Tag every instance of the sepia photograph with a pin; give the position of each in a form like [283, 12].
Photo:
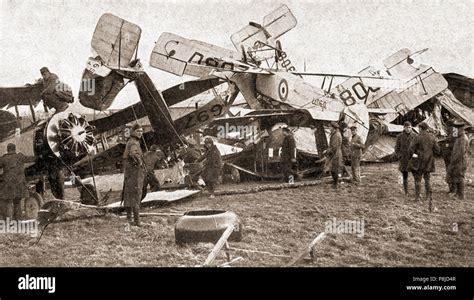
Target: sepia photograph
[326, 134]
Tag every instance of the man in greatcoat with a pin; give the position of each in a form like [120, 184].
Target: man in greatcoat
[446, 152]
[287, 154]
[212, 165]
[192, 165]
[345, 148]
[133, 169]
[13, 185]
[151, 159]
[356, 153]
[55, 94]
[402, 148]
[422, 161]
[458, 162]
[334, 153]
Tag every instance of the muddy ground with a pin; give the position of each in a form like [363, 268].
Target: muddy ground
[397, 231]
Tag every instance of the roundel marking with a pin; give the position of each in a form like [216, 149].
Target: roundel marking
[283, 90]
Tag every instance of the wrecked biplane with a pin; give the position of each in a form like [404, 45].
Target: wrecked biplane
[377, 100]
[64, 142]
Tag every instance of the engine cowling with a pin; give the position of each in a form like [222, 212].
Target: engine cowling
[69, 136]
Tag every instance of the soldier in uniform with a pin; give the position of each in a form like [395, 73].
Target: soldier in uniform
[151, 159]
[402, 146]
[422, 161]
[191, 163]
[133, 169]
[356, 148]
[287, 154]
[446, 152]
[13, 186]
[55, 94]
[346, 148]
[334, 153]
[458, 162]
[212, 165]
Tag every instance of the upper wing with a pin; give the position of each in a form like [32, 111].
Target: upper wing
[274, 25]
[115, 40]
[179, 56]
[171, 96]
[418, 84]
[24, 95]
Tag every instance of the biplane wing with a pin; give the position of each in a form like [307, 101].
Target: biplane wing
[292, 117]
[455, 107]
[216, 108]
[293, 91]
[417, 85]
[420, 84]
[178, 55]
[379, 151]
[274, 25]
[24, 95]
[115, 40]
[100, 162]
[462, 88]
[176, 94]
[156, 109]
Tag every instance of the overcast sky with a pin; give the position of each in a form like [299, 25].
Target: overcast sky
[341, 36]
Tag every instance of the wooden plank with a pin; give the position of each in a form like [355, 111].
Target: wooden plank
[307, 250]
[220, 243]
[227, 264]
[227, 253]
[164, 196]
[157, 214]
[258, 252]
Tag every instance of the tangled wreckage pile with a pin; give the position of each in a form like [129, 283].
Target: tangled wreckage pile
[247, 130]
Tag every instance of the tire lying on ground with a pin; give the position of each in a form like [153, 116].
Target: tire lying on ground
[206, 226]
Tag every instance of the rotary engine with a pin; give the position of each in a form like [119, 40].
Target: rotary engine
[66, 135]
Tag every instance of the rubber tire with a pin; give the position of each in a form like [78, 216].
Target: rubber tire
[206, 226]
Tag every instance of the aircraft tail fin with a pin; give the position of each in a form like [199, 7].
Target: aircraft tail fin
[115, 40]
[274, 25]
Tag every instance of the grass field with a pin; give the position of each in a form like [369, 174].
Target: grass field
[397, 231]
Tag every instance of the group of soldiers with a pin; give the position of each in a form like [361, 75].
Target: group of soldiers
[416, 154]
[138, 168]
[344, 149]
